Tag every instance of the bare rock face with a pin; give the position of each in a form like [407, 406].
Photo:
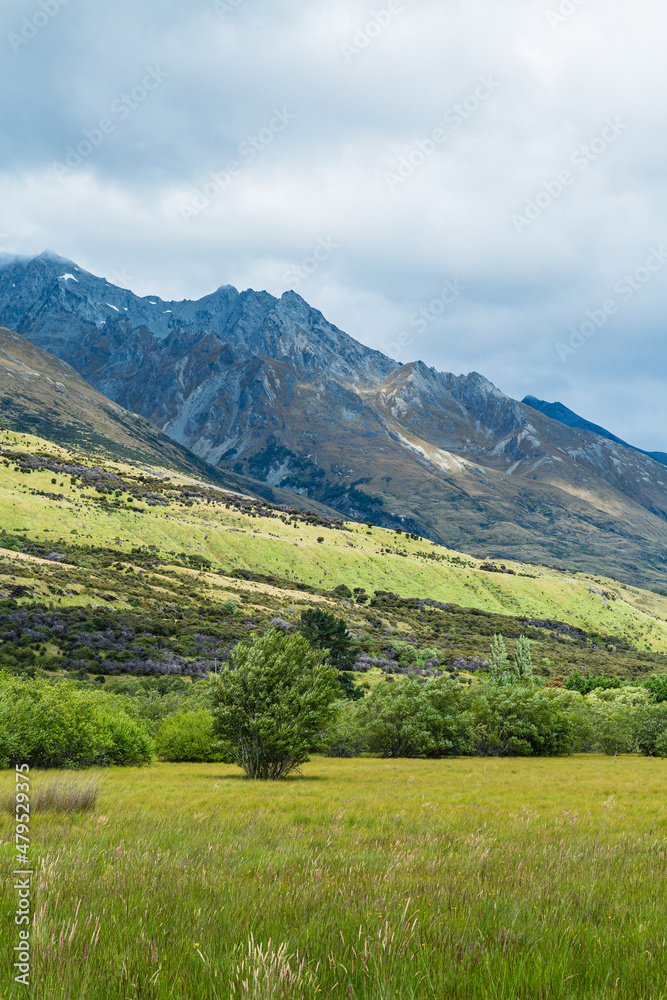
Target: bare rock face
[266, 388]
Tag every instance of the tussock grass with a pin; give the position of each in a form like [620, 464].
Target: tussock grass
[63, 793]
[476, 879]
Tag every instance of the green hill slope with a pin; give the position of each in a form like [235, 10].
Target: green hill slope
[116, 540]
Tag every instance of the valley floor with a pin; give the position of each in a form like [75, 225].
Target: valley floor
[509, 879]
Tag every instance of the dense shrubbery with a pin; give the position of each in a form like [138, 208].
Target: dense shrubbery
[650, 730]
[275, 703]
[187, 736]
[658, 687]
[584, 685]
[438, 718]
[519, 721]
[412, 719]
[58, 725]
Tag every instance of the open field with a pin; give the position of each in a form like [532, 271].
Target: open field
[479, 878]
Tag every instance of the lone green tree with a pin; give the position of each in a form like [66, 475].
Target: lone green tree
[499, 660]
[270, 704]
[326, 632]
[523, 661]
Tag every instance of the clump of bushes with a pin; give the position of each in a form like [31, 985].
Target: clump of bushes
[650, 730]
[584, 685]
[46, 724]
[187, 736]
[507, 716]
[442, 718]
[519, 720]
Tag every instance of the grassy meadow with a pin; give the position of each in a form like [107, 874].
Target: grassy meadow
[483, 879]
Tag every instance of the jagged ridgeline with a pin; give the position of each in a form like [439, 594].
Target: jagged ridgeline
[110, 568]
[42, 395]
[267, 389]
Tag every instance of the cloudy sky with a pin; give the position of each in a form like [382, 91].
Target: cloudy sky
[477, 183]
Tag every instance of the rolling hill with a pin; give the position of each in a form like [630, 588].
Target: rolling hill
[109, 566]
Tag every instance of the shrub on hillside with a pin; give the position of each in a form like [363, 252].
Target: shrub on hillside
[326, 632]
[187, 736]
[658, 687]
[405, 652]
[58, 725]
[584, 685]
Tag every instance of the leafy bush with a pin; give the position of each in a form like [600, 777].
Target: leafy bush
[579, 713]
[629, 695]
[584, 685]
[58, 725]
[271, 704]
[613, 719]
[347, 688]
[345, 736]
[520, 720]
[187, 736]
[405, 651]
[658, 687]
[650, 730]
[413, 719]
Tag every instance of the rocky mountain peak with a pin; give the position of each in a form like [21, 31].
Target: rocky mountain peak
[267, 388]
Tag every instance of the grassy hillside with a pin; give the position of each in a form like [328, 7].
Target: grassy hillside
[105, 544]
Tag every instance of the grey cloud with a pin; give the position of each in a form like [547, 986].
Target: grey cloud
[356, 120]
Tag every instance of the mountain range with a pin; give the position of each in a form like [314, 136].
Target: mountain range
[557, 411]
[43, 396]
[266, 389]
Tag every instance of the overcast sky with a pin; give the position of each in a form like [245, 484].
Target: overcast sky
[480, 184]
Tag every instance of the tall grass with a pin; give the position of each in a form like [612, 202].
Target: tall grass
[362, 880]
[62, 793]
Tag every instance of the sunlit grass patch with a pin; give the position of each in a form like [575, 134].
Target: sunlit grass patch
[472, 879]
